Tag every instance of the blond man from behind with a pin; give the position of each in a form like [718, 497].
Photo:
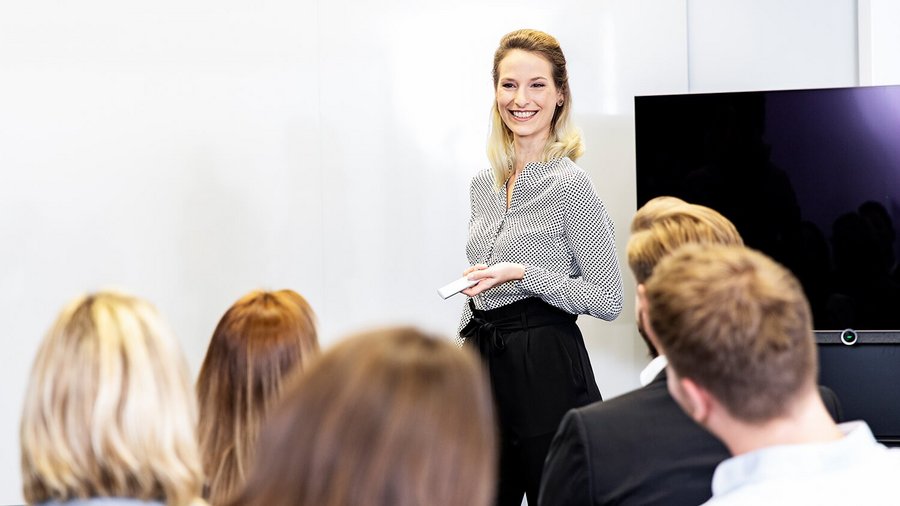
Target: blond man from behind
[737, 332]
[640, 448]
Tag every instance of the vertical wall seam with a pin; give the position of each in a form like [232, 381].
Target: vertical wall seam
[687, 42]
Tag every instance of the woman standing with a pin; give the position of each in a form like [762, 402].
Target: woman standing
[542, 248]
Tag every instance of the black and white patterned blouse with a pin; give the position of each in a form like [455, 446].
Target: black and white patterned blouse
[557, 227]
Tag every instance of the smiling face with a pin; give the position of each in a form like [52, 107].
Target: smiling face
[527, 97]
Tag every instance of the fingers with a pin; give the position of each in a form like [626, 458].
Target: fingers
[481, 274]
[482, 285]
[476, 267]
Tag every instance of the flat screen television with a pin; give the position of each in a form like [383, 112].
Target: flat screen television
[864, 377]
[811, 178]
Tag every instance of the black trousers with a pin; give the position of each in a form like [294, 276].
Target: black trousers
[539, 369]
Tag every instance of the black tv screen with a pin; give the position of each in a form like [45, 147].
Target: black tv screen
[865, 377]
[809, 177]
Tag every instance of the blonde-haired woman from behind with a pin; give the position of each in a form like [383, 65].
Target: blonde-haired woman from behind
[110, 416]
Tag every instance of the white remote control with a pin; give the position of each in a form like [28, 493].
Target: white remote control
[455, 287]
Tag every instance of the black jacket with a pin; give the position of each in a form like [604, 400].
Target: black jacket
[639, 449]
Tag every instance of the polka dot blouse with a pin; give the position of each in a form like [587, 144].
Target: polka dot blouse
[556, 226]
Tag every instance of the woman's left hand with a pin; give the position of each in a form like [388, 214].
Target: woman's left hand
[494, 275]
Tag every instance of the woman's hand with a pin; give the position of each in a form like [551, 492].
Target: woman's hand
[492, 276]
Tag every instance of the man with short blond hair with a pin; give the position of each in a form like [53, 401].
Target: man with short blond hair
[640, 448]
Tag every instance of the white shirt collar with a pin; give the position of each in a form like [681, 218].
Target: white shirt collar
[778, 462]
[653, 369]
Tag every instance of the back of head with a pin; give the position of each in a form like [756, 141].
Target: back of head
[263, 339]
[648, 213]
[736, 323]
[109, 411]
[565, 139]
[664, 224]
[390, 417]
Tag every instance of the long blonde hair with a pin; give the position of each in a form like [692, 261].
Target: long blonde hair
[565, 139]
[389, 418]
[109, 410]
[263, 338]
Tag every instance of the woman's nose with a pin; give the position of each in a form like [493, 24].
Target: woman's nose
[521, 97]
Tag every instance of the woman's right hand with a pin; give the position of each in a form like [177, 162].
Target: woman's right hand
[472, 289]
[476, 267]
[489, 277]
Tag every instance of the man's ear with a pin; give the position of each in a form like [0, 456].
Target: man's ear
[641, 297]
[643, 318]
[695, 400]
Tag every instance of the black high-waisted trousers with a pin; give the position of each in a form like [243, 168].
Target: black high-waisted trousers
[539, 369]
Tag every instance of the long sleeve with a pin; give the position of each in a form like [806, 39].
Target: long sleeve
[565, 480]
[558, 228]
[591, 239]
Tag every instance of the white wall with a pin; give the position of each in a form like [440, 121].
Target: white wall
[879, 42]
[771, 44]
[190, 152]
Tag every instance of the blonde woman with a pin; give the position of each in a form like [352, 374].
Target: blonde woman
[260, 341]
[542, 249]
[109, 414]
[391, 417]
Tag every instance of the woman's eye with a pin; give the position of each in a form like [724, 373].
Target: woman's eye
[539, 85]
[508, 86]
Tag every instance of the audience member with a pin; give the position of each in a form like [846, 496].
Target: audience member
[391, 418]
[260, 341]
[109, 414]
[640, 448]
[736, 329]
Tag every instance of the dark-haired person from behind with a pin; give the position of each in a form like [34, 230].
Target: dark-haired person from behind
[391, 417]
[262, 340]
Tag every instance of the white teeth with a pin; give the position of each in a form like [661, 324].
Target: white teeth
[523, 114]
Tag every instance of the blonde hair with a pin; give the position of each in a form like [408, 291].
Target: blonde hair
[565, 139]
[389, 418]
[664, 224]
[738, 324]
[650, 211]
[109, 411]
[263, 339]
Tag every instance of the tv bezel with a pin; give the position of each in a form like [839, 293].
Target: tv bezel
[863, 338]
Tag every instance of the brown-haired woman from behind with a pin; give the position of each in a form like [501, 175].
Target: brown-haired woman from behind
[109, 414]
[391, 417]
[261, 340]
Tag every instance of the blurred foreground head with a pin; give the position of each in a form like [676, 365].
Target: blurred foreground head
[391, 417]
[109, 410]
